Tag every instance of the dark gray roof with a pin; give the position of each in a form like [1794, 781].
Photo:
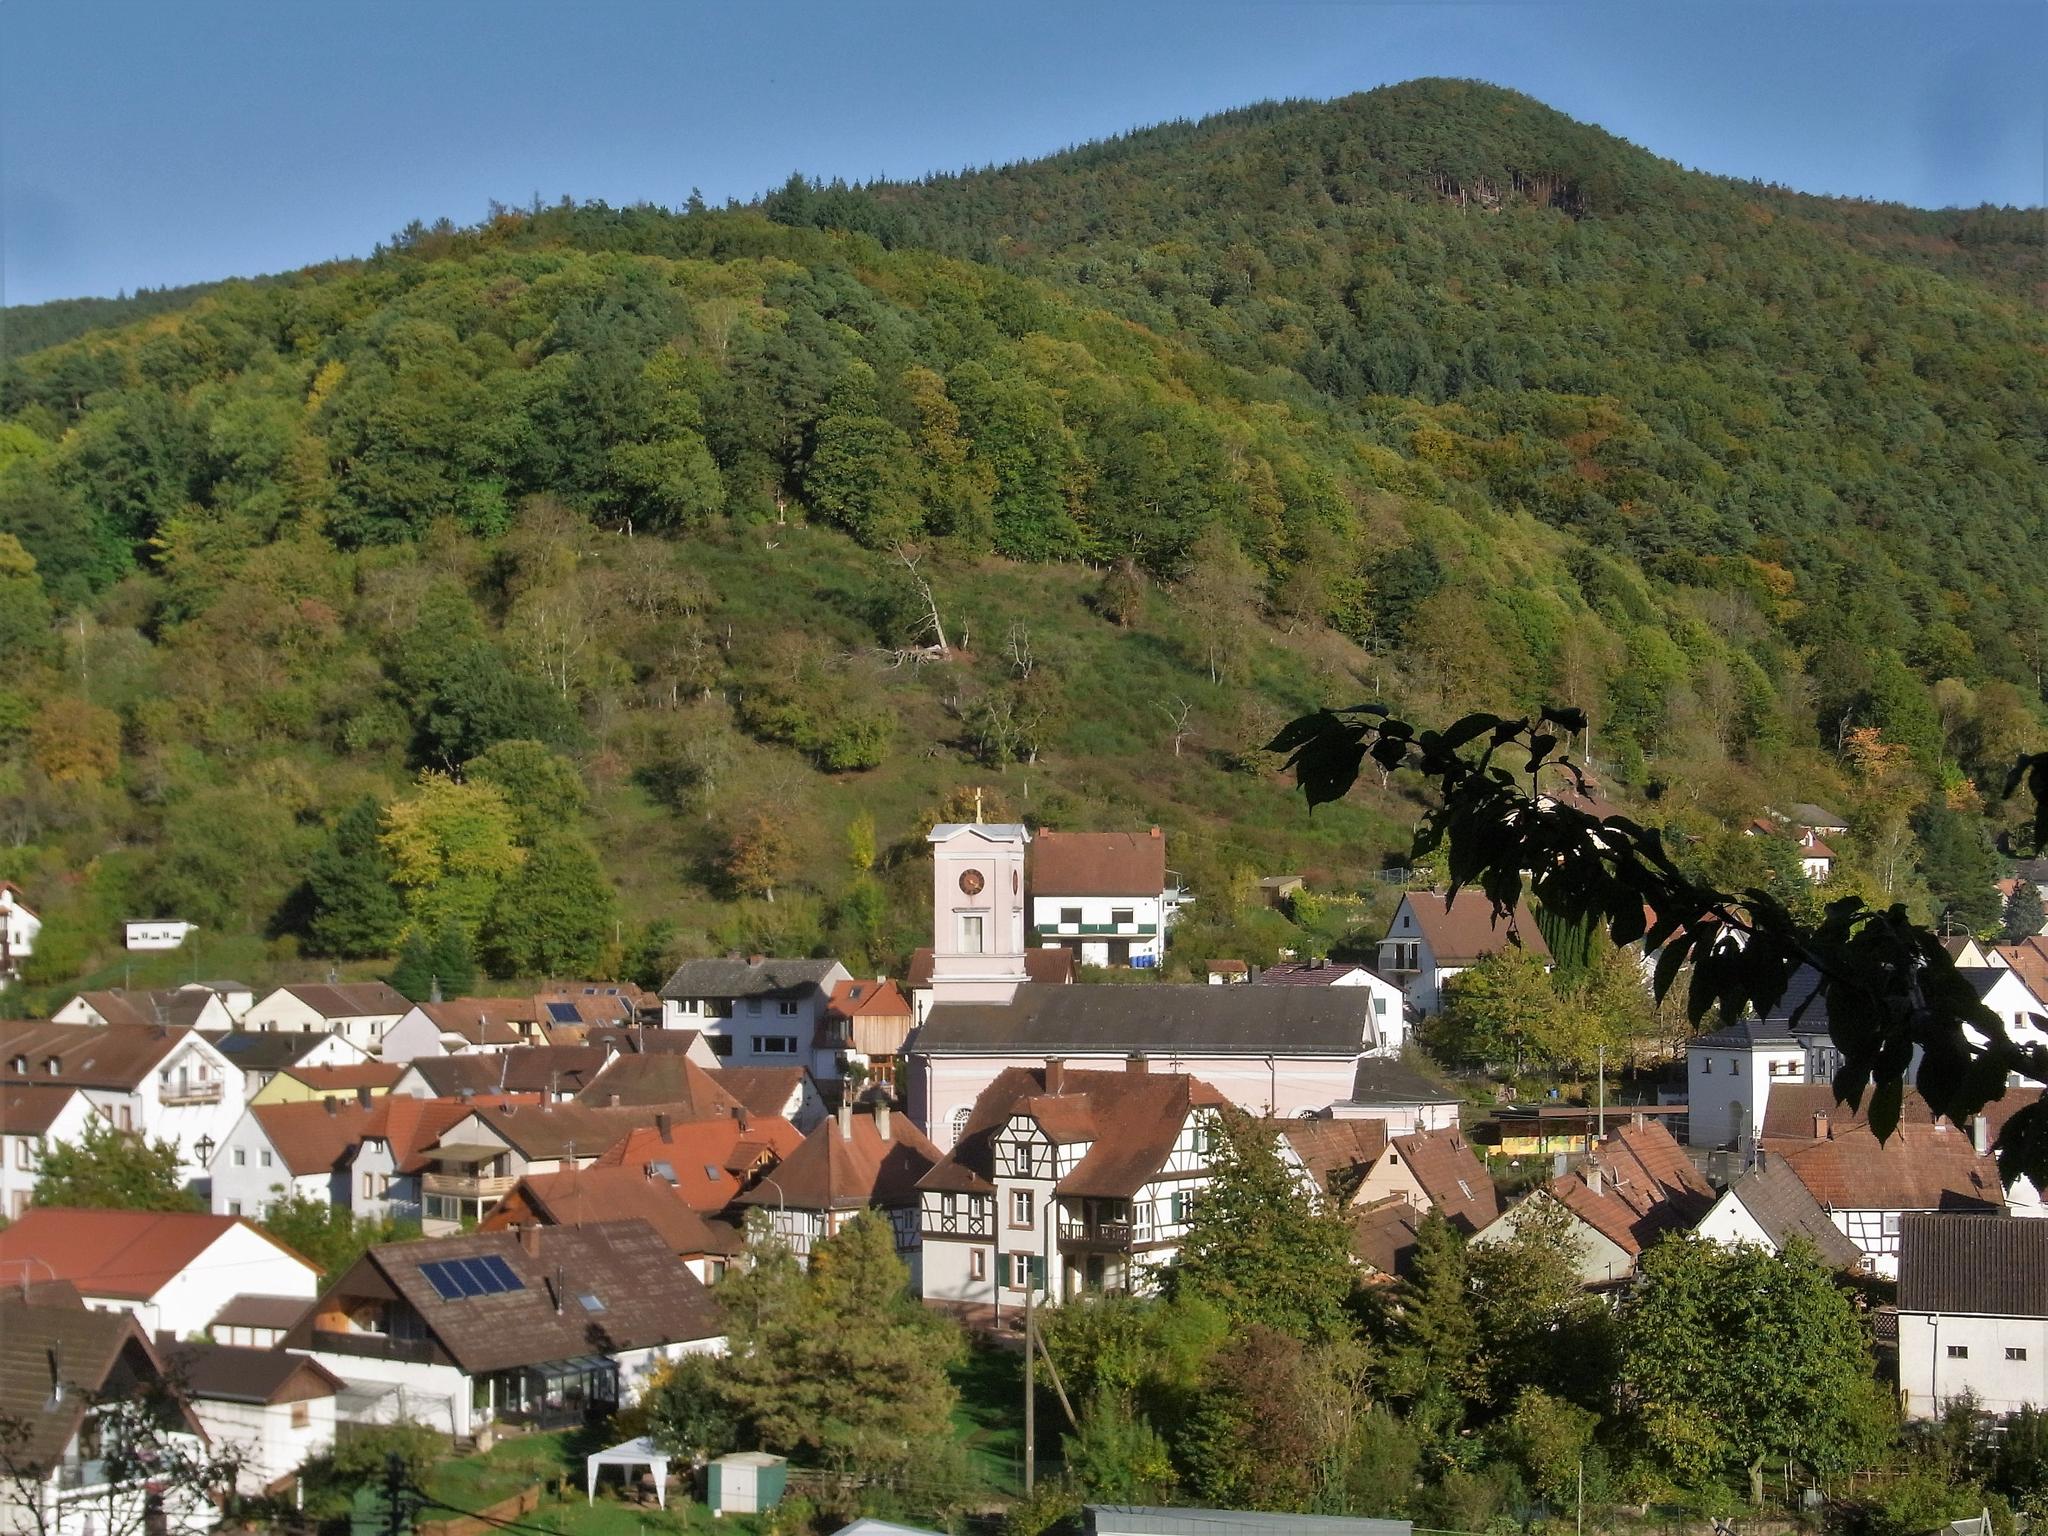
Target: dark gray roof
[258, 1051]
[747, 978]
[1776, 1027]
[1982, 978]
[1782, 1205]
[1994, 1266]
[1381, 1080]
[1159, 1019]
[1806, 813]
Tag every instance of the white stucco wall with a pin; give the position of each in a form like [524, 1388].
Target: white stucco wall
[1929, 1375]
[270, 1444]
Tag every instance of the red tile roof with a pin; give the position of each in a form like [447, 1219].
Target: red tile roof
[1329, 1149]
[127, 1254]
[1647, 1187]
[710, 1159]
[1465, 929]
[1098, 863]
[614, 1193]
[350, 1000]
[1920, 1168]
[839, 1171]
[312, 1137]
[30, 1109]
[2029, 961]
[348, 1078]
[411, 1126]
[1453, 1177]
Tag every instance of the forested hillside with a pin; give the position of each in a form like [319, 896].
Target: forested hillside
[595, 584]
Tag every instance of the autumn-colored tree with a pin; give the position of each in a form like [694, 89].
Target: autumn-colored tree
[451, 845]
[74, 741]
[759, 854]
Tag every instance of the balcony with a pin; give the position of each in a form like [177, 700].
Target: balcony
[174, 1096]
[373, 1346]
[72, 1476]
[1106, 1236]
[1096, 930]
[468, 1186]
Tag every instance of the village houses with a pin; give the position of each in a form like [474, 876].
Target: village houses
[360, 1012]
[1973, 1313]
[1432, 938]
[757, 1011]
[1101, 896]
[19, 925]
[33, 1118]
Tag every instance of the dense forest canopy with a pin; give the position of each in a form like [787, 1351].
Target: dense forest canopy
[609, 539]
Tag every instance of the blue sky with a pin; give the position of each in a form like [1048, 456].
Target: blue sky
[146, 142]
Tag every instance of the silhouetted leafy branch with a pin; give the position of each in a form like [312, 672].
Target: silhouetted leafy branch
[1890, 993]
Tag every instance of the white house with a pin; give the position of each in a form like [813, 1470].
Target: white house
[1101, 896]
[1973, 1313]
[261, 1057]
[19, 926]
[156, 932]
[272, 1409]
[1065, 1182]
[858, 1160]
[278, 1151]
[33, 1117]
[168, 1008]
[163, 1084]
[76, 1358]
[543, 1326]
[1869, 1188]
[1769, 1207]
[1729, 1074]
[756, 1012]
[464, 1026]
[360, 1012]
[1389, 1002]
[2005, 991]
[172, 1269]
[1430, 940]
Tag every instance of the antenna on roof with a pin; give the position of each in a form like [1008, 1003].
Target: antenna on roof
[434, 990]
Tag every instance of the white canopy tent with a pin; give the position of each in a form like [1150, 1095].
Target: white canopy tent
[633, 1453]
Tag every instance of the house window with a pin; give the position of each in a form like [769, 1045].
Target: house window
[1070, 917]
[21, 1153]
[369, 1186]
[1891, 1223]
[1707, 1066]
[53, 1065]
[2014, 1353]
[265, 1158]
[1020, 1268]
[241, 1157]
[302, 1415]
[971, 941]
[960, 1118]
[1123, 917]
[786, 1008]
[721, 1045]
[1183, 1204]
[1020, 1207]
[977, 1264]
[1959, 1351]
[753, 1005]
[234, 1207]
[1021, 1152]
[775, 1045]
[127, 1118]
[19, 1064]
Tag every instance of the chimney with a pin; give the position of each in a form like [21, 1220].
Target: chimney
[559, 1286]
[882, 1121]
[756, 959]
[1135, 1062]
[661, 1125]
[363, 1096]
[1055, 1075]
[329, 1102]
[615, 1101]
[529, 1240]
[1593, 1178]
[846, 1122]
[554, 1085]
[1821, 1129]
[1980, 1135]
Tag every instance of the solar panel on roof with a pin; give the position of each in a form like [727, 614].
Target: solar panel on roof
[562, 1013]
[501, 1274]
[459, 1279]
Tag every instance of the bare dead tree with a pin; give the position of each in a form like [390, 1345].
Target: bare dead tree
[1177, 712]
[1021, 658]
[930, 624]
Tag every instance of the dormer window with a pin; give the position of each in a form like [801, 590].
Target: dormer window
[53, 1065]
[19, 1064]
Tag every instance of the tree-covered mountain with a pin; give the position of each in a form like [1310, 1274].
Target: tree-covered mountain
[616, 543]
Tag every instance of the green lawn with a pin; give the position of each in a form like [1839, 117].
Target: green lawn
[469, 1483]
[989, 1420]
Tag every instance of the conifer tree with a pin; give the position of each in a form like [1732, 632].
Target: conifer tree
[355, 907]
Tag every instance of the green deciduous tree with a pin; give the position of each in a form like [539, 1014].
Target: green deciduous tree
[1734, 1355]
[355, 907]
[541, 786]
[1501, 1010]
[451, 845]
[556, 918]
[107, 1169]
[329, 1234]
[1257, 1247]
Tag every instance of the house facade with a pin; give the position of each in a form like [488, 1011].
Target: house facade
[19, 925]
[278, 1152]
[1870, 1187]
[865, 1159]
[1278, 1051]
[1065, 1182]
[171, 1269]
[163, 1084]
[33, 1118]
[156, 933]
[261, 1057]
[1973, 1313]
[1729, 1075]
[71, 1358]
[1431, 939]
[273, 1409]
[1389, 1002]
[1101, 896]
[755, 1012]
[360, 1012]
[553, 1327]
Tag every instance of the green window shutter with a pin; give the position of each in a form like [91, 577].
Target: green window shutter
[1037, 1272]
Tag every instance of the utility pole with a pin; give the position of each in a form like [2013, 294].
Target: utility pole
[1030, 1383]
[1582, 1496]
